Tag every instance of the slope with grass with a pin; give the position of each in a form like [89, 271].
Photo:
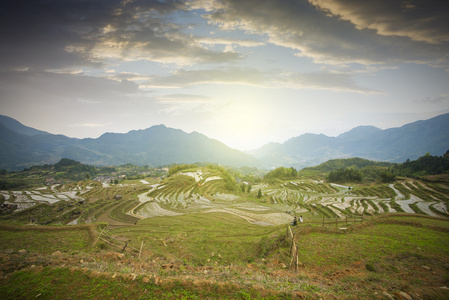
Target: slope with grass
[221, 256]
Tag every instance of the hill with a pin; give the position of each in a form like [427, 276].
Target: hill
[21, 147]
[392, 145]
[18, 127]
[354, 162]
[198, 232]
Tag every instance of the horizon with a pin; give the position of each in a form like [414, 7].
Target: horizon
[245, 73]
[243, 150]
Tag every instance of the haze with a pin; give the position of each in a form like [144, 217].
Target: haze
[243, 72]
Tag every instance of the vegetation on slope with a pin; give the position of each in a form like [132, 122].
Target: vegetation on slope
[425, 165]
[348, 245]
[219, 256]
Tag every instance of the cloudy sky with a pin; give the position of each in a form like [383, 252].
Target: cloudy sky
[245, 72]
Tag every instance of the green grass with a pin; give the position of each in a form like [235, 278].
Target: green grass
[384, 253]
[45, 239]
[60, 283]
[389, 248]
[119, 212]
[200, 237]
[374, 240]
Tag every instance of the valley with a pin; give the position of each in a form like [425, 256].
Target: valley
[203, 190]
[205, 231]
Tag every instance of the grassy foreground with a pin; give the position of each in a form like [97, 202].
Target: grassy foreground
[220, 256]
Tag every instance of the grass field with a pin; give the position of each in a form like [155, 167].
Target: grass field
[199, 234]
[223, 256]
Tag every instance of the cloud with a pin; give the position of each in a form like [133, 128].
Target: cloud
[264, 79]
[419, 20]
[229, 41]
[325, 81]
[440, 99]
[323, 36]
[190, 104]
[183, 98]
[185, 78]
[50, 88]
[55, 34]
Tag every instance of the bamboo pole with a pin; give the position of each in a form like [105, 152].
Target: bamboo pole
[291, 233]
[99, 236]
[141, 246]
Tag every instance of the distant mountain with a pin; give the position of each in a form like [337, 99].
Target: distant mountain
[21, 146]
[18, 127]
[392, 145]
[159, 145]
[359, 133]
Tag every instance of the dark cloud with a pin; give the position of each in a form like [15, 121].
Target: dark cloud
[419, 20]
[327, 37]
[55, 34]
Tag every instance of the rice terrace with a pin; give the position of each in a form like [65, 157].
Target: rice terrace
[208, 232]
[224, 149]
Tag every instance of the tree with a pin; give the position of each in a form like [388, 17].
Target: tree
[248, 189]
[259, 194]
[281, 173]
[387, 177]
[345, 175]
[446, 155]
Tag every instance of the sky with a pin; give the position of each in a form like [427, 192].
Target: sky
[244, 72]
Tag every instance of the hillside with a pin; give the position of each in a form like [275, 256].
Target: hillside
[375, 259]
[21, 147]
[202, 233]
[354, 162]
[392, 145]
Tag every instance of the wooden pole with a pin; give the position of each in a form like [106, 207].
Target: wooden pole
[124, 247]
[141, 246]
[101, 233]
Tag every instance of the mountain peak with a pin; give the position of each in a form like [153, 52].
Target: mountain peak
[360, 132]
[18, 127]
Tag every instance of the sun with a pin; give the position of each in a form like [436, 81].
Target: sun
[242, 125]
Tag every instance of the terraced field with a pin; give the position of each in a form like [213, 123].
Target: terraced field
[208, 190]
[203, 191]
[77, 203]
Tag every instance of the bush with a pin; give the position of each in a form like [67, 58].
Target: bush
[344, 175]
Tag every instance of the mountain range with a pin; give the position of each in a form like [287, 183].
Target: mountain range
[22, 146]
[391, 145]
